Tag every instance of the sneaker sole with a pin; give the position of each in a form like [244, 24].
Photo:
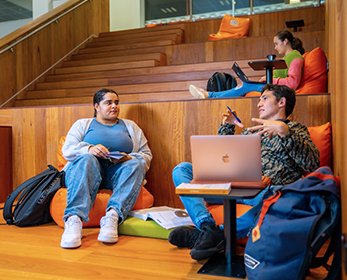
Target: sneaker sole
[107, 239]
[206, 253]
[70, 245]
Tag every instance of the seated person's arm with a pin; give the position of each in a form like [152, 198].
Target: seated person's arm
[301, 148]
[228, 124]
[74, 145]
[294, 75]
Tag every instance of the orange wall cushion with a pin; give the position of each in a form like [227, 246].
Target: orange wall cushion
[231, 27]
[314, 78]
[58, 205]
[321, 137]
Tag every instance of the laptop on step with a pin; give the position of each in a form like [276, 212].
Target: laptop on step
[243, 77]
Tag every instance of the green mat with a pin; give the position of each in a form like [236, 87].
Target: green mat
[138, 227]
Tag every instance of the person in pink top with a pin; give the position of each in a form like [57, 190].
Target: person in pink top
[285, 44]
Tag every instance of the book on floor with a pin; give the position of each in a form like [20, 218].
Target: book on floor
[167, 217]
[187, 188]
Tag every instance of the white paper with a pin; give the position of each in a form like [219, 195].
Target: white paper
[166, 217]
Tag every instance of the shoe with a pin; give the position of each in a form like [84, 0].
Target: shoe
[198, 92]
[210, 242]
[109, 227]
[72, 235]
[184, 237]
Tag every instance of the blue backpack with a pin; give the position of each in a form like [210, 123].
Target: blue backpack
[292, 227]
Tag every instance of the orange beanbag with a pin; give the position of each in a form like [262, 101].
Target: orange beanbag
[58, 205]
[314, 78]
[231, 27]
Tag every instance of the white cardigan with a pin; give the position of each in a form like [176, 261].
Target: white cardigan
[74, 145]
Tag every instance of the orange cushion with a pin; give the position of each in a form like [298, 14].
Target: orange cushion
[321, 137]
[314, 78]
[58, 205]
[231, 27]
[252, 93]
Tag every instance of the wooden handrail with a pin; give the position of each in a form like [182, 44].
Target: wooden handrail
[37, 24]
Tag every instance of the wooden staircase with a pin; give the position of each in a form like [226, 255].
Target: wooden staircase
[133, 63]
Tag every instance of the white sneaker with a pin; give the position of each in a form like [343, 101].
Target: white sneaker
[198, 92]
[109, 227]
[72, 235]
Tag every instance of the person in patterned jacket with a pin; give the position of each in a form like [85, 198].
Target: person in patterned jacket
[287, 152]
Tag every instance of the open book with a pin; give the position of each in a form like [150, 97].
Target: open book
[117, 155]
[166, 217]
[186, 188]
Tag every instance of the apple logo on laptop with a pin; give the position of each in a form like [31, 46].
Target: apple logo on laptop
[225, 158]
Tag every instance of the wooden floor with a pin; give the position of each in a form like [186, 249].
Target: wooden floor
[35, 253]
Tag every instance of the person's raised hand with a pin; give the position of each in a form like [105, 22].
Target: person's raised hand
[230, 118]
[270, 127]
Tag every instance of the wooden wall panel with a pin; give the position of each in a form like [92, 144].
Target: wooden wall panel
[167, 126]
[36, 54]
[261, 24]
[336, 12]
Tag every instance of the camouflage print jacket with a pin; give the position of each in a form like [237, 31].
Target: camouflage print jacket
[284, 160]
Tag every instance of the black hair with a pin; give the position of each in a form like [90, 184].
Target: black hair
[294, 42]
[99, 96]
[280, 91]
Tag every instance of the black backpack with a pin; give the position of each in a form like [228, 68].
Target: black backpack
[35, 195]
[221, 81]
[293, 226]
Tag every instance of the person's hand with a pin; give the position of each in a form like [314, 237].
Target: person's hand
[99, 151]
[122, 159]
[270, 127]
[229, 118]
[262, 79]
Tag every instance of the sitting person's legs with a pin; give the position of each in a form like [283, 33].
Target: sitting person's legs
[82, 179]
[207, 239]
[125, 180]
[234, 92]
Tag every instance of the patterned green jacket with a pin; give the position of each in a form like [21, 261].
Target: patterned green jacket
[284, 160]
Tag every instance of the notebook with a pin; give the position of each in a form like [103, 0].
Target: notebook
[227, 158]
[243, 77]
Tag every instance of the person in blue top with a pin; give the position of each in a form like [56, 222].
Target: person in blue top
[285, 44]
[87, 148]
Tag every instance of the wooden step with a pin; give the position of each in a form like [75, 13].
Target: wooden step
[125, 98]
[129, 46]
[109, 66]
[97, 53]
[141, 35]
[143, 30]
[129, 58]
[152, 39]
[120, 89]
[224, 66]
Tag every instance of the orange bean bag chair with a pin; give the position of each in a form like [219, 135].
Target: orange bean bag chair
[58, 203]
[230, 28]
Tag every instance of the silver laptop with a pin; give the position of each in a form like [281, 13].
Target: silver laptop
[227, 158]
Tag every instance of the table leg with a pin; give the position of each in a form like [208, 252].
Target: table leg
[269, 75]
[227, 263]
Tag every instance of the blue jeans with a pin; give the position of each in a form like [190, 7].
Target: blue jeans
[236, 92]
[87, 174]
[196, 208]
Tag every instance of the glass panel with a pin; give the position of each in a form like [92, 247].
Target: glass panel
[161, 11]
[10, 11]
